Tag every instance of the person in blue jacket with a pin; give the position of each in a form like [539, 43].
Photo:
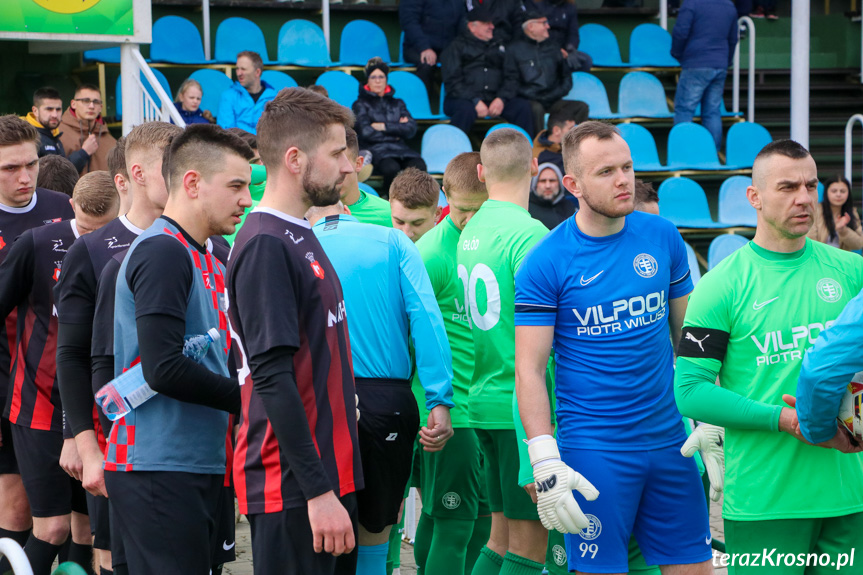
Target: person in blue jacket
[243, 103]
[188, 103]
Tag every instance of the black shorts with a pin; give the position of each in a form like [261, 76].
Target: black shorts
[51, 492]
[8, 462]
[225, 548]
[389, 422]
[165, 520]
[100, 525]
[282, 543]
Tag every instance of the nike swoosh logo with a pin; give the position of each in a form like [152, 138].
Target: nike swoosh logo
[227, 547]
[584, 282]
[708, 540]
[757, 306]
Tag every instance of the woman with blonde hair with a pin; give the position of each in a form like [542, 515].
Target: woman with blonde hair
[188, 103]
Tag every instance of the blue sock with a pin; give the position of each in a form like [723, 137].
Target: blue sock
[372, 559]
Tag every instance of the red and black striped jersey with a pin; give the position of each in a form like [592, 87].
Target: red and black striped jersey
[284, 293]
[45, 207]
[27, 278]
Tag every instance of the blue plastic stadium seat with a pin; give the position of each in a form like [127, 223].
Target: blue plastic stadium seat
[368, 189]
[278, 80]
[723, 246]
[691, 147]
[159, 76]
[820, 191]
[734, 207]
[411, 89]
[645, 158]
[650, 45]
[361, 41]
[590, 90]
[213, 83]
[105, 55]
[601, 44]
[642, 95]
[743, 142]
[441, 143]
[512, 126]
[236, 35]
[694, 267]
[683, 202]
[177, 41]
[342, 87]
[302, 43]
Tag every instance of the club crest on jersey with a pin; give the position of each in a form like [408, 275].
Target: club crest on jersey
[56, 276]
[316, 267]
[829, 290]
[645, 265]
[2, 243]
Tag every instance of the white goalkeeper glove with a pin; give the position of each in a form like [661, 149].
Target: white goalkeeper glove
[555, 481]
[709, 440]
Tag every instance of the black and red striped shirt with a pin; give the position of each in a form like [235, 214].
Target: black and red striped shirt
[282, 293]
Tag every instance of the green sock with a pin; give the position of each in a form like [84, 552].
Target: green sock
[394, 558]
[449, 546]
[488, 563]
[481, 532]
[516, 565]
[423, 541]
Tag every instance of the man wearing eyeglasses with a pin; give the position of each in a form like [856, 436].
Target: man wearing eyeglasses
[84, 129]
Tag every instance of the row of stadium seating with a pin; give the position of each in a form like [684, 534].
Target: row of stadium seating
[177, 40]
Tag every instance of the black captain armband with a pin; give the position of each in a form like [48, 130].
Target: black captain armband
[702, 343]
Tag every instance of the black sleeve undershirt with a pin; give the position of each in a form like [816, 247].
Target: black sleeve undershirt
[16, 274]
[73, 375]
[103, 372]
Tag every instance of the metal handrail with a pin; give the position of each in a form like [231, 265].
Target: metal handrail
[10, 549]
[167, 108]
[849, 129]
[750, 88]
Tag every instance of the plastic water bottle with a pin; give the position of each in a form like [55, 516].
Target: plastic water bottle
[129, 390]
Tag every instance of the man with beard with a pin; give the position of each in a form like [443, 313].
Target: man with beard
[85, 135]
[45, 117]
[547, 201]
[604, 287]
[297, 460]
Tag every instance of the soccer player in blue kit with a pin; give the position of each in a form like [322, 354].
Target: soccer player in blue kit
[603, 288]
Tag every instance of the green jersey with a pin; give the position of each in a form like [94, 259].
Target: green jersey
[491, 248]
[372, 210]
[438, 250]
[750, 320]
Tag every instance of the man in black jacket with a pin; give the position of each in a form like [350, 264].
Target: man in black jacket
[473, 72]
[45, 117]
[429, 27]
[507, 16]
[543, 73]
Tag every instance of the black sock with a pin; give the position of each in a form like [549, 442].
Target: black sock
[103, 571]
[63, 554]
[82, 555]
[19, 537]
[41, 555]
[121, 569]
[217, 570]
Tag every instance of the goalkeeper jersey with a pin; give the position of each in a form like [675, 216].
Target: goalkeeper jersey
[491, 248]
[750, 320]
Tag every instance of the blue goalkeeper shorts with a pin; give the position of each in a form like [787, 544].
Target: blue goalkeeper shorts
[657, 496]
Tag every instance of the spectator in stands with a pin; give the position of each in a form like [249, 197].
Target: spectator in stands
[85, 137]
[429, 27]
[45, 117]
[251, 139]
[703, 40]
[765, 9]
[546, 145]
[507, 15]
[563, 30]
[547, 194]
[384, 123]
[646, 198]
[188, 103]
[58, 174]
[243, 103]
[836, 221]
[543, 74]
[472, 67]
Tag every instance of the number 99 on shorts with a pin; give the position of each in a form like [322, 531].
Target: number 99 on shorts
[586, 548]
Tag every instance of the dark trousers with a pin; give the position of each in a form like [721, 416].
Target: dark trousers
[462, 113]
[430, 75]
[390, 167]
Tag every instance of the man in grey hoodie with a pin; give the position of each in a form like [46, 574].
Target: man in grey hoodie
[548, 203]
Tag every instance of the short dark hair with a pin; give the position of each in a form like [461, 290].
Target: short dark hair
[248, 137]
[414, 188]
[300, 118]
[559, 117]
[572, 141]
[117, 159]
[460, 175]
[200, 147]
[91, 87]
[14, 130]
[787, 148]
[352, 142]
[254, 57]
[95, 194]
[644, 193]
[45, 93]
[57, 173]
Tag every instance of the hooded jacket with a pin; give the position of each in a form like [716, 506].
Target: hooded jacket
[473, 70]
[76, 131]
[50, 144]
[542, 72]
[237, 109]
[370, 108]
[550, 212]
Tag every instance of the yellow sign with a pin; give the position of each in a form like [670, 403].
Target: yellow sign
[67, 6]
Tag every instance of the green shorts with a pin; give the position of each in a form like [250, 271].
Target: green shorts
[500, 449]
[786, 546]
[450, 480]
